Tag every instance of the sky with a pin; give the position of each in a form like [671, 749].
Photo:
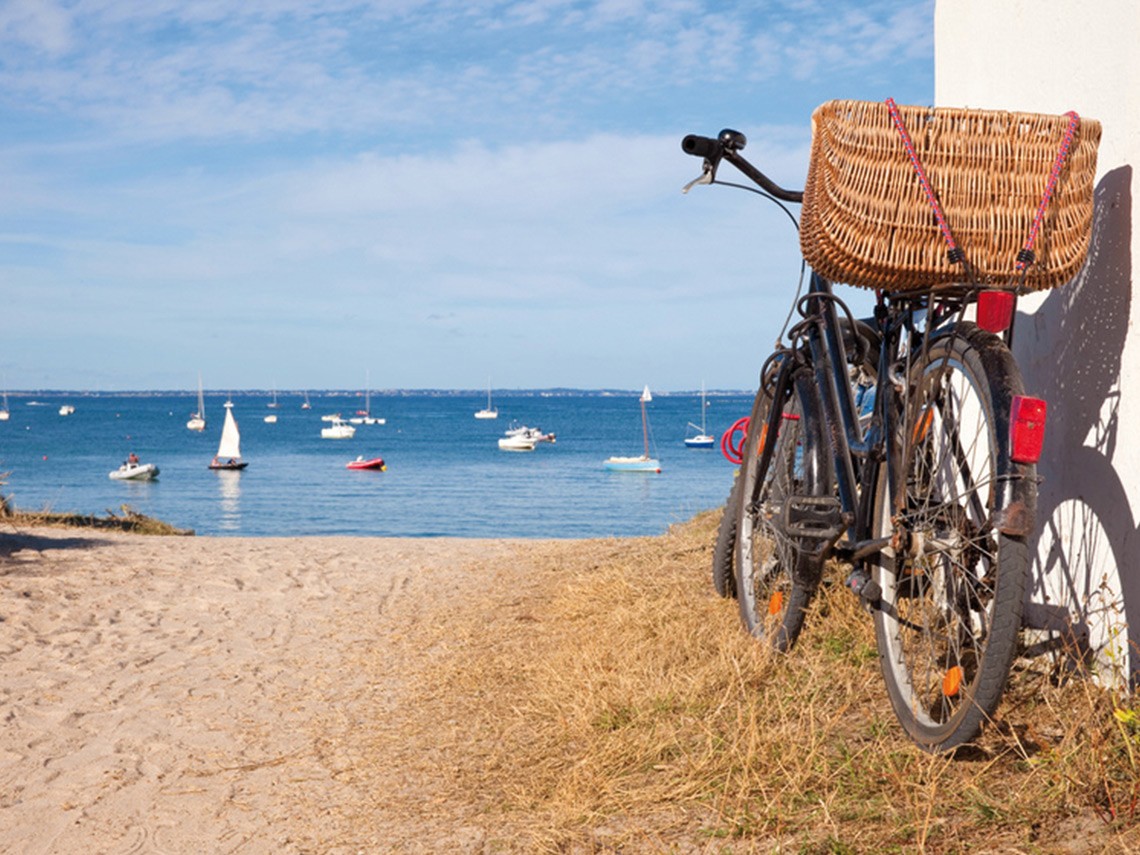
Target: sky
[310, 194]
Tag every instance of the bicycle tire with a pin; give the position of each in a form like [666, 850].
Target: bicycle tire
[864, 341]
[952, 583]
[776, 578]
[724, 580]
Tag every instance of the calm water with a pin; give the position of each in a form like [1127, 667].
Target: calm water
[446, 474]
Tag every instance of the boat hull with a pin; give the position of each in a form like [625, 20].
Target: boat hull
[703, 441]
[633, 464]
[376, 463]
[229, 466]
[515, 443]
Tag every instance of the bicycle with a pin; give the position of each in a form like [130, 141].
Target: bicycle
[930, 501]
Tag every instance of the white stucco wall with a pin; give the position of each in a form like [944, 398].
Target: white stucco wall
[1076, 344]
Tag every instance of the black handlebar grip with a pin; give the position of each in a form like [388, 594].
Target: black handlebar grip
[702, 146]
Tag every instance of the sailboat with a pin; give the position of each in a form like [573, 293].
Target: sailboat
[487, 412]
[306, 405]
[198, 419]
[229, 448]
[644, 463]
[365, 417]
[4, 414]
[702, 439]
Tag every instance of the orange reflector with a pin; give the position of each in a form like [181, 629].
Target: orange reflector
[952, 681]
[763, 440]
[922, 426]
[1026, 429]
[776, 603]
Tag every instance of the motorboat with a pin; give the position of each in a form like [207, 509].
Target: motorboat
[361, 463]
[66, 410]
[516, 443]
[229, 447]
[643, 462]
[338, 429]
[132, 470]
[532, 433]
[270, 419]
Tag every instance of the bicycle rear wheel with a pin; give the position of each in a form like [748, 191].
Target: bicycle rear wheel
[775, 577]
[952, 582]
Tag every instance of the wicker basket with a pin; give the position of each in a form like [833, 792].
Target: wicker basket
[866, 220]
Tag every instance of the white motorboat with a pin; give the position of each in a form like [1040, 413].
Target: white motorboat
[516, 443]
[531, 433]
[134, 471]
[270, 419]
[66, 410]
[338, 429]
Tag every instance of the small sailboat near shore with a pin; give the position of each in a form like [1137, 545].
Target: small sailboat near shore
[4, 412]
[643, 463]
[229, 447]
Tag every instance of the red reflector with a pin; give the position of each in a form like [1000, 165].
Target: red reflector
[1026, 429]
[995, 310]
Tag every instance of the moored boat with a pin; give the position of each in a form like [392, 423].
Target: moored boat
[338, 429]
[516, 443]
[361, 463]
[488, 412]
[197, 420]
[643, 462]
[703, 439]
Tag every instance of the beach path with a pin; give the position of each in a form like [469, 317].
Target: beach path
[182, 694]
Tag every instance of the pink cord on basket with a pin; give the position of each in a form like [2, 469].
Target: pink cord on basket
[1025, 257]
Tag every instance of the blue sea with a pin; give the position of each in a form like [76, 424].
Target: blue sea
[446, 475]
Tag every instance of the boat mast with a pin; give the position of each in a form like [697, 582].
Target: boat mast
[645, 396]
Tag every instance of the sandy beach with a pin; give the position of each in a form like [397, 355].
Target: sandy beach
[188, 694]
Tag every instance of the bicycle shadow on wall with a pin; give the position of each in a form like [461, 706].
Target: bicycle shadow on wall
[1083, 587]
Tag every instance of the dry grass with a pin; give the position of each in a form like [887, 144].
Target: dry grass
[613, 704]
[127, 519]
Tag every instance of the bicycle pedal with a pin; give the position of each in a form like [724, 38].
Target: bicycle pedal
[817, 517]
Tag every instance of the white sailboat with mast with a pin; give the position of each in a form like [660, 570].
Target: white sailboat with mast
[5, 414]
[487, 412]
[229, 448]
[198, 419]
[365, 417]
[703, 439]
[644, 463]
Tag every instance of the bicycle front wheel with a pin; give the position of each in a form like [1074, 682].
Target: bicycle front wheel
[775, 577]
[952, 582]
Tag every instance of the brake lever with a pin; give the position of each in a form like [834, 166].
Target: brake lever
[706, 177]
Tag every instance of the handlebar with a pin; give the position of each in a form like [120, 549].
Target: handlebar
[727, 146]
